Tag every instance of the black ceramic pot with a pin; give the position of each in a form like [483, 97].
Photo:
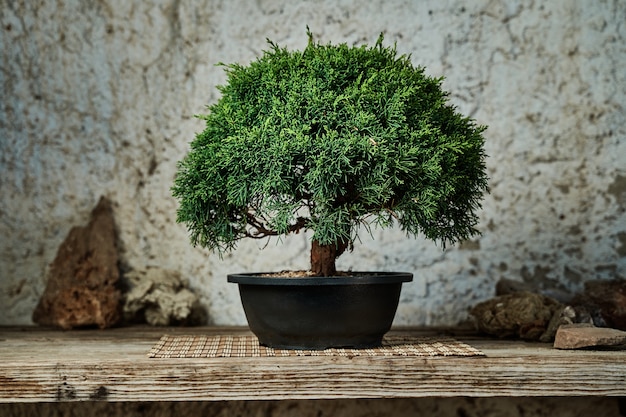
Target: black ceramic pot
[321, 312]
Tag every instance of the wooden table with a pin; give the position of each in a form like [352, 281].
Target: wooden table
[39, 365]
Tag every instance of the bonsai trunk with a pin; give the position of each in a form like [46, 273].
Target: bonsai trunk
[323, 257]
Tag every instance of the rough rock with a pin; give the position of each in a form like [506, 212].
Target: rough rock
[160, 297]
[605, 300]
[521, 314]
[576, 336]
[81, 281]
[602, 303]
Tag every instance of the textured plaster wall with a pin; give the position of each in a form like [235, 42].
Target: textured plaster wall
[98, 98]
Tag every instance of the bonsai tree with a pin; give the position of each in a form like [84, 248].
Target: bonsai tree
[332, 139]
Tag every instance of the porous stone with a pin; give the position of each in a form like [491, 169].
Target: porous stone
[160, 297]
[521, 314]
[81, 281]
[576, 336]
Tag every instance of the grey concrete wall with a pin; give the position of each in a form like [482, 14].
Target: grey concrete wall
[99, 98]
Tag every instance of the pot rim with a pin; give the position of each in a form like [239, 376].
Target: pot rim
[357, 278]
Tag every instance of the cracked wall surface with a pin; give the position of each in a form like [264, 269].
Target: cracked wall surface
[99, 98]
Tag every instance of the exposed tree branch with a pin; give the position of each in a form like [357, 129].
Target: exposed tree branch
[260, 230]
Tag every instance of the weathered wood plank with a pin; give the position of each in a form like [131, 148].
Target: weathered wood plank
[112, 365]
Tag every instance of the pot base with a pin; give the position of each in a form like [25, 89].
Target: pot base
[317, 313]
[321, 343]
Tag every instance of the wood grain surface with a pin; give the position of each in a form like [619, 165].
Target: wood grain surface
[38, 365]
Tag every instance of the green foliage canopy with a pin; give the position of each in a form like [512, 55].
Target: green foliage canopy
[329, 139]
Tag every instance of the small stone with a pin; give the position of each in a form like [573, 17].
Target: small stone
[576, 336]
[509, 286]
[565, 315]
[160, 297]
[81, 281]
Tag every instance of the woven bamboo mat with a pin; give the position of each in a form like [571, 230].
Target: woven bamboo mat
[223, 346]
